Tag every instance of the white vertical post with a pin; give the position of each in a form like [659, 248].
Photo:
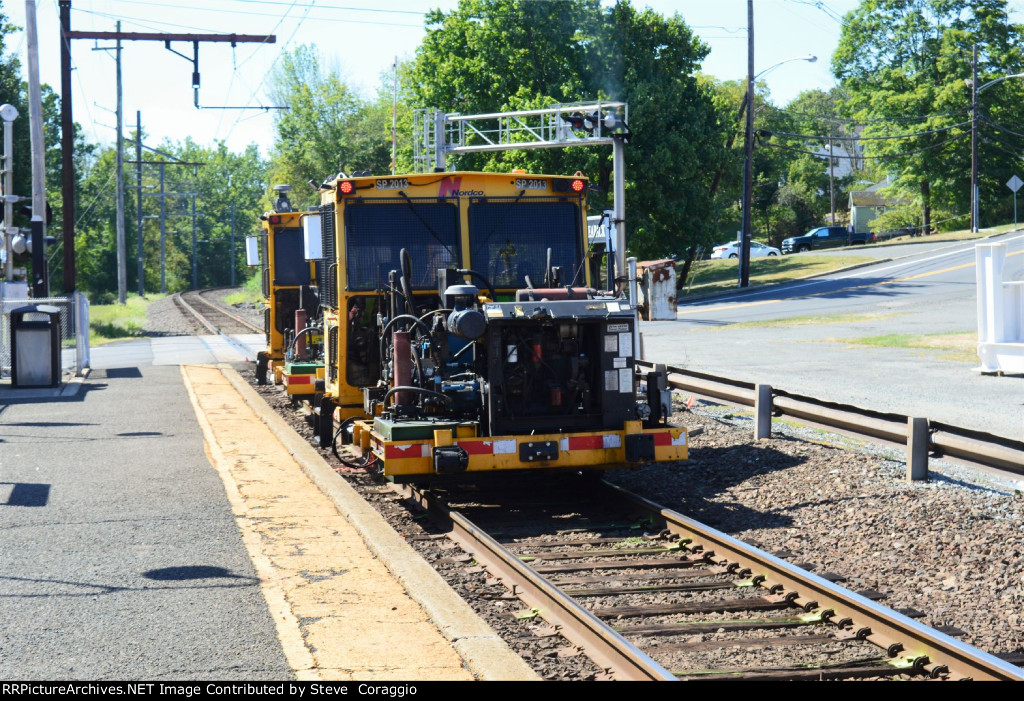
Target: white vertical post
[619, 193]
[81, 311]
[990, 259]
[633, 300]
[439, 141]
[9, 113]
[40, 284]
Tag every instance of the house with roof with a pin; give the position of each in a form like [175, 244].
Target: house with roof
[867, 204]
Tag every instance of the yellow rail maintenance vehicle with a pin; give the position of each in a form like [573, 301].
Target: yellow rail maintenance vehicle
[462, 335]
[290, 299]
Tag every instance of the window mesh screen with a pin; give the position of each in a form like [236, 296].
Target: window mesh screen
[327, 248]
[290, 265]
[509, 238]
[377, 230]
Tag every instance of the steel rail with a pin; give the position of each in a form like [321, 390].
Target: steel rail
[195, 312]
[944, 440]
[909, 643]
[246, 351]
[228, 313]
[603, 645]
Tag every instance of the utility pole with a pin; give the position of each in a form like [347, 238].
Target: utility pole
[232, 243]
[67, 138]
[67, 121]
[138, 196]
[163, 235]
[40, 283]
[748, 149]
[974, 139]
[122, 253]
[832, 178]
[195, 262]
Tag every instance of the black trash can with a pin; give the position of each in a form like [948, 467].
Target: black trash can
[35, 346]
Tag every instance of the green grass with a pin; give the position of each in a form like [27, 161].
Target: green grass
[251, 292]
[116, 322]
[805, 321]
[713, 275]
[958, 235]
[961, 346]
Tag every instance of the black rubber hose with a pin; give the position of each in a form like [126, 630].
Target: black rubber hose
[487, 283]
[334, 445]
[291, 346]
[436, 311]
[387, 326]
[419, 390]
[406, 280]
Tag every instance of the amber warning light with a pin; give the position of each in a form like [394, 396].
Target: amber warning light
[275, 219]
[578, 185]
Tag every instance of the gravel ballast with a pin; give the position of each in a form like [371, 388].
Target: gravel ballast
[951, 547]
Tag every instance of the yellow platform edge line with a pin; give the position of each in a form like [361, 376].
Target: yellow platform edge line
[482, 650]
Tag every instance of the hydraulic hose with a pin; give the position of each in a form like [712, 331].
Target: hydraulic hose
[419, 390]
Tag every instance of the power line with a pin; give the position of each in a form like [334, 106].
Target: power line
[864, 122]
[873, 158]
[1000, 148]
[249, 13]
[820, 137]
[270, 69]
[334, 7]
[999, 127]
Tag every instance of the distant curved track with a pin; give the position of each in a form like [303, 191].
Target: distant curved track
[217, 320]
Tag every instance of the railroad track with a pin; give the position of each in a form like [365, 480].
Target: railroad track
[649, 594]
[217, 320]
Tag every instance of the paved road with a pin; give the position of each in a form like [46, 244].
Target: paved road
[929, 291]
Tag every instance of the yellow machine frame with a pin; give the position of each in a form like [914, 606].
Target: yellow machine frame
[273, 226]
[405, 460]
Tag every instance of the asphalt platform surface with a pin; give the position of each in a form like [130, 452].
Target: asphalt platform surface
[119, 554]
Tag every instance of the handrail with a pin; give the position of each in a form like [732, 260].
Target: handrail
[944, 440]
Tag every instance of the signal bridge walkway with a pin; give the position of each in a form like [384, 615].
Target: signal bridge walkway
[159, 521]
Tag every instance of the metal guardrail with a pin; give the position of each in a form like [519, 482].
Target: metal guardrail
[942, 440]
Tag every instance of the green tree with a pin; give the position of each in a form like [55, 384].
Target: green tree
[496, 55]
[327, 129]
[903, 65]
[225, 183]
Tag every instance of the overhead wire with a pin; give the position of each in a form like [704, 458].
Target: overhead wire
[873, 158]
[821, 137]
[251, 13]
[860, 122]
[270, 68]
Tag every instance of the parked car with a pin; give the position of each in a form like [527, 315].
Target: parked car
[825, 237]
[732, 250]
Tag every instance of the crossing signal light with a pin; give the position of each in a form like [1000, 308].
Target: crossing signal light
[26, 209]
[575, 121]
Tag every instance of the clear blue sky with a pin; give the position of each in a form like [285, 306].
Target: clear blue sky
[362, 38]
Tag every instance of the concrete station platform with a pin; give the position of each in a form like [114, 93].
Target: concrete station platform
[161, 522]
